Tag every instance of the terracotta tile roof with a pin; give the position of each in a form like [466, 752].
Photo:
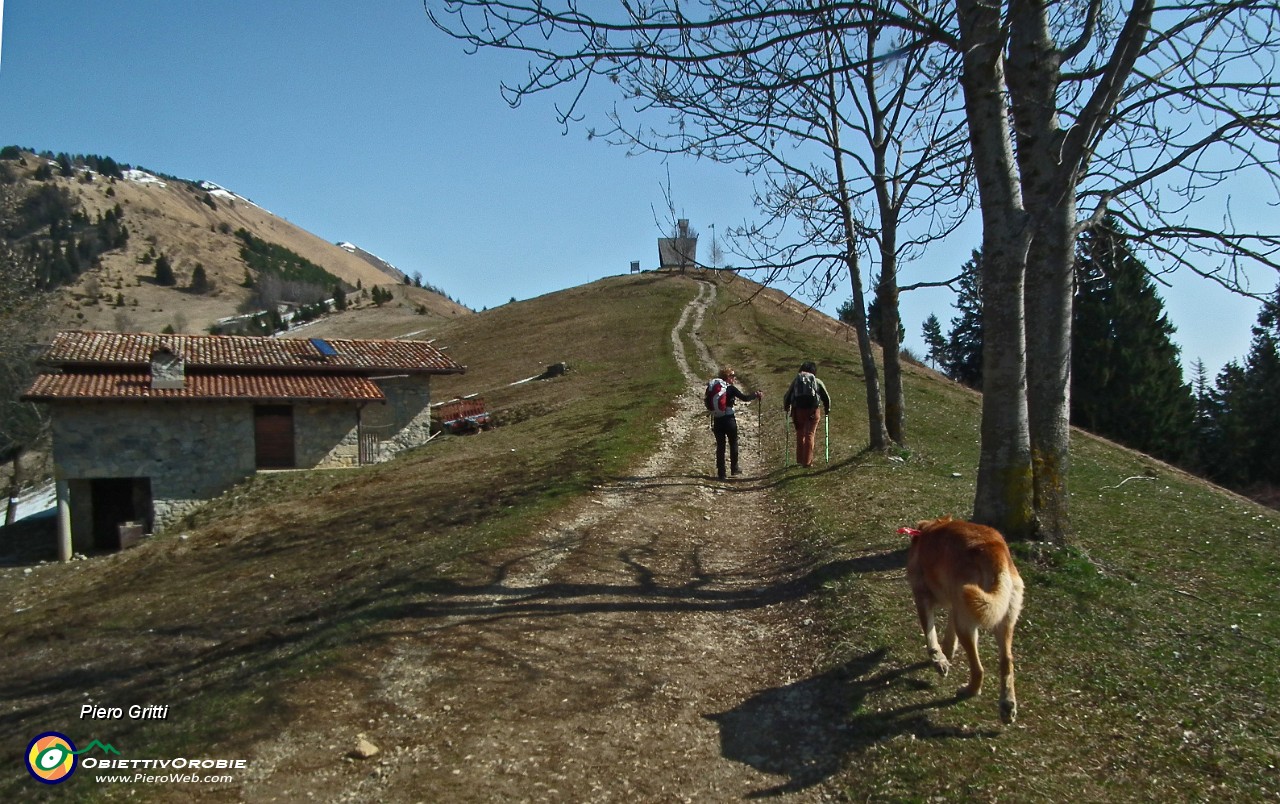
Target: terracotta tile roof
[126, 350]
[137, 386]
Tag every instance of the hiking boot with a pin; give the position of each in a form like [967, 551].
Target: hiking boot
[737, 471]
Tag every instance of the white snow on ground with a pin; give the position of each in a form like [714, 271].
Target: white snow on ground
[37, 500]
[142, 177]
[354, 249]
[218, 191]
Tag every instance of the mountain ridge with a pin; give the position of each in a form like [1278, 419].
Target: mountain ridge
[193, 224]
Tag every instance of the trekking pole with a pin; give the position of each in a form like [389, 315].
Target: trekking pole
[786, 442]
[826, 431]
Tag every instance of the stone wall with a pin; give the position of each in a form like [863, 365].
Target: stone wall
[324, 435]
[193, 451]
[406, 414]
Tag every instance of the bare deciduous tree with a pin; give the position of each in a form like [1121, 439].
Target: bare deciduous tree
[1075, 109]
[835, 110]
[1126, 109]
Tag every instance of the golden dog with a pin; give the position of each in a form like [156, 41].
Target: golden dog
[967, 569]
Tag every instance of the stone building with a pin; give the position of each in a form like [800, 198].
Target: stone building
[146, 427]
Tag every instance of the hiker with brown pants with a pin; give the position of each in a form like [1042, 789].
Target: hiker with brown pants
[803, 400]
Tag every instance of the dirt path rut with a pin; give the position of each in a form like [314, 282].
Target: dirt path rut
[653, 647]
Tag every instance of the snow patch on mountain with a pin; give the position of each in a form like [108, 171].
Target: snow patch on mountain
[218, 191]
[374, 260]
[143, 177]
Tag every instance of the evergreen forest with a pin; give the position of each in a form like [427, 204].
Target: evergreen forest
[1127, 380]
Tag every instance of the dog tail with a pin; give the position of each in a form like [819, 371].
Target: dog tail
[990, 608]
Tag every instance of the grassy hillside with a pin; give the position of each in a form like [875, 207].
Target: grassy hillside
[191, 226]
[277, 595]
[1145, 654]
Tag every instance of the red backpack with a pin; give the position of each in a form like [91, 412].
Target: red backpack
[717, 396]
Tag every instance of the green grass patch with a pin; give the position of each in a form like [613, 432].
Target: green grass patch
[1146, 648]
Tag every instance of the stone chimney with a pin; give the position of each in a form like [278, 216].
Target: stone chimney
[168, 370]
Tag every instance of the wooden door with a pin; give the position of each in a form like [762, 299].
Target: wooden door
[273, 436]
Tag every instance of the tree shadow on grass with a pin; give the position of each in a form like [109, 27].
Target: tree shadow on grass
[450, 602]
[770, 479]
[805, 731]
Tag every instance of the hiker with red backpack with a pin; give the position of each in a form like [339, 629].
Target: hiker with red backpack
[720, 396]
[806, 396]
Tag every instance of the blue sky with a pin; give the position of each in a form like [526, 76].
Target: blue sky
[360, 122]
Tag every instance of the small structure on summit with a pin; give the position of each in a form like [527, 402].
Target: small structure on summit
[679, 252]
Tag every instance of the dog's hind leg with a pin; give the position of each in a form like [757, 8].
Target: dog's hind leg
[924, 609]
[949, 638]
[1008, 698]
[967, 633]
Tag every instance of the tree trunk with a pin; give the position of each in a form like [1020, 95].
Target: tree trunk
[878, 435]
[1049, 292]
[1048, 188]
[887, 295]
[894, 402]
[1003, 498]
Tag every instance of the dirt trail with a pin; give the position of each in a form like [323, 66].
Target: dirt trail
[653, 647]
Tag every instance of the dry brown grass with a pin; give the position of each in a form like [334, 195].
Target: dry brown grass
[174, 220]
[270, 597]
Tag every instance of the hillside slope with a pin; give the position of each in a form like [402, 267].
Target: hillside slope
[567, 607]
[192, 223]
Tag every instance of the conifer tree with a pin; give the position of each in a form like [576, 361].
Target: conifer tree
[1126, 375]
[933, 339]
[963, 361]
[1226, 438]
[164, 272]
[1201, 431]
[1260, 397]
[875, 317]
[199, 279]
